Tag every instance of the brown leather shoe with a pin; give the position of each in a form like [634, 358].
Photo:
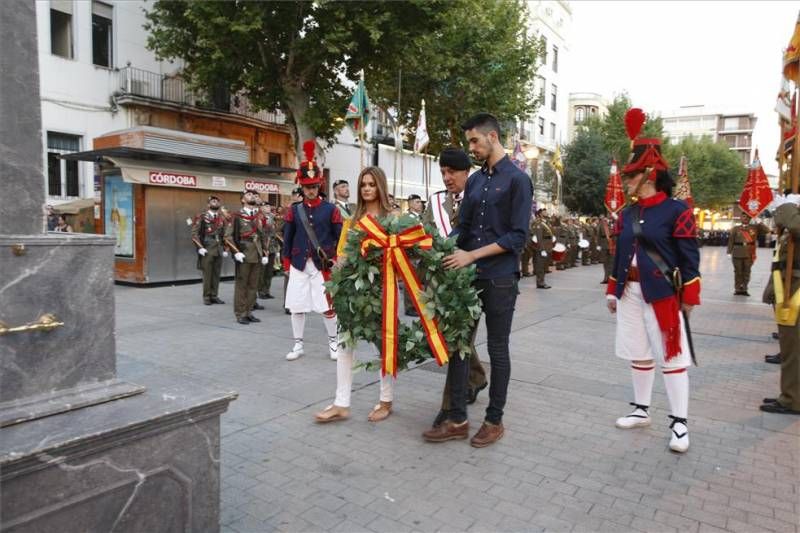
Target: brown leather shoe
[447, 430]
[488, 434]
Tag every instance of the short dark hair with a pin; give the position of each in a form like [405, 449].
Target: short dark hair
[485, 122]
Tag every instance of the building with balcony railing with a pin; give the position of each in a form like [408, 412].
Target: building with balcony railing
[97, 76]
[734, 128]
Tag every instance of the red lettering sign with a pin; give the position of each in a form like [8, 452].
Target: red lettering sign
[263, 186]
[169, 178]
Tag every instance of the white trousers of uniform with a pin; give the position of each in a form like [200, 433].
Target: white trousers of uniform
[638, 335]
[344, 379]
[305, 292]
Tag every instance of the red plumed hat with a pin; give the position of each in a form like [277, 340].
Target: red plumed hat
[309, 172]
[645, 153]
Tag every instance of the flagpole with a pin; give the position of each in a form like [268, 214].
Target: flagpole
[361, 121]
[398, 139]
[794, 173]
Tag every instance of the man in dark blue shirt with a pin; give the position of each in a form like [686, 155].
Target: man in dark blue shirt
[494, 222]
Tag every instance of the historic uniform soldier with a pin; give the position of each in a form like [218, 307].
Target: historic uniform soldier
[208, 231]
[742, 241]
[310, 233]
[787, 220]
[442, 212]
[247, 238]
[542, 239]
[273, 248]
[655, 283]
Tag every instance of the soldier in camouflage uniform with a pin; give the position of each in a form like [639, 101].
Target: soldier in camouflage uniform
[246, 237]
[742, 242]
[607, 245]
[207, 234]
[542, 239]
[273, 249]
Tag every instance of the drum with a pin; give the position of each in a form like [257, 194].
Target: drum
[559, 252]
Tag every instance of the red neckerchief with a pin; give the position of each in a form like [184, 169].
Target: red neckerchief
[650, 201]
[313, 203]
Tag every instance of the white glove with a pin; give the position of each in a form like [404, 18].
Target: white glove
[534, 239]
[188, 221]
[544, 254]
[239, 256]
[264, 260]
[598, 248]
[554, 238]
[794, 198]
[225, 253]
[202, 251]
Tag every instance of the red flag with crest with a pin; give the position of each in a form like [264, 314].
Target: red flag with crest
[757, 194]
[615, 197]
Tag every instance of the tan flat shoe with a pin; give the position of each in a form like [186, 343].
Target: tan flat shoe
[380, 412]
[332, 413]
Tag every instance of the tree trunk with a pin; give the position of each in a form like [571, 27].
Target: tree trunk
[297, 104]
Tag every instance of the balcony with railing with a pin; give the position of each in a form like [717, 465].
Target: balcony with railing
[173, 89]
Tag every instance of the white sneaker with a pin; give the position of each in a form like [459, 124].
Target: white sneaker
[679, 442]
[333, 347]
[296, 352]
[637, 419]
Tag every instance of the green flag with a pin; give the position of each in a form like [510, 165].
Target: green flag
[358, 109]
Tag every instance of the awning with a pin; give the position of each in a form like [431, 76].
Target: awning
[195, 177]
[73, 207]
[151, 167]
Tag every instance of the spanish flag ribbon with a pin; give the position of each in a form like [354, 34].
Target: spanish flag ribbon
[396, 261]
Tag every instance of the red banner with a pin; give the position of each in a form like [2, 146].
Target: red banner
[757, 194]
[615, 197]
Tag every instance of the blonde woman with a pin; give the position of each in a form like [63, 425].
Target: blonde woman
[373, 199]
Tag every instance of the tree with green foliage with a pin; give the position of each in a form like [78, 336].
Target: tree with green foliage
[716, 174]
[481, 58]
[292, 56]
[612, 128]
[301, 57]
[586, 164]
[588, 157]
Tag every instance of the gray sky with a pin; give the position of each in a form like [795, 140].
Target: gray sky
[669, 54]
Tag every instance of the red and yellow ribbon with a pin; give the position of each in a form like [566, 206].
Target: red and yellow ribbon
[395, 260]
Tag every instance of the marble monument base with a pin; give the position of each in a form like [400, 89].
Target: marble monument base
[149, 462]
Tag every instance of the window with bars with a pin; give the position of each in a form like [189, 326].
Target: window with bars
[541, 126]
[63, 177]
[553, 96]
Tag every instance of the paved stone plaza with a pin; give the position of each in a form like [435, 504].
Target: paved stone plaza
[562, 466]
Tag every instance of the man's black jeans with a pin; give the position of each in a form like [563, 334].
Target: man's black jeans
[498, 297]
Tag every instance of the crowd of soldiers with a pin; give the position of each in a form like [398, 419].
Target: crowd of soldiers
[562, 242]
[253, 237]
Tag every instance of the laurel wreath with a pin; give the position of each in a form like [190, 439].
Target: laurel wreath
[356, 287]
